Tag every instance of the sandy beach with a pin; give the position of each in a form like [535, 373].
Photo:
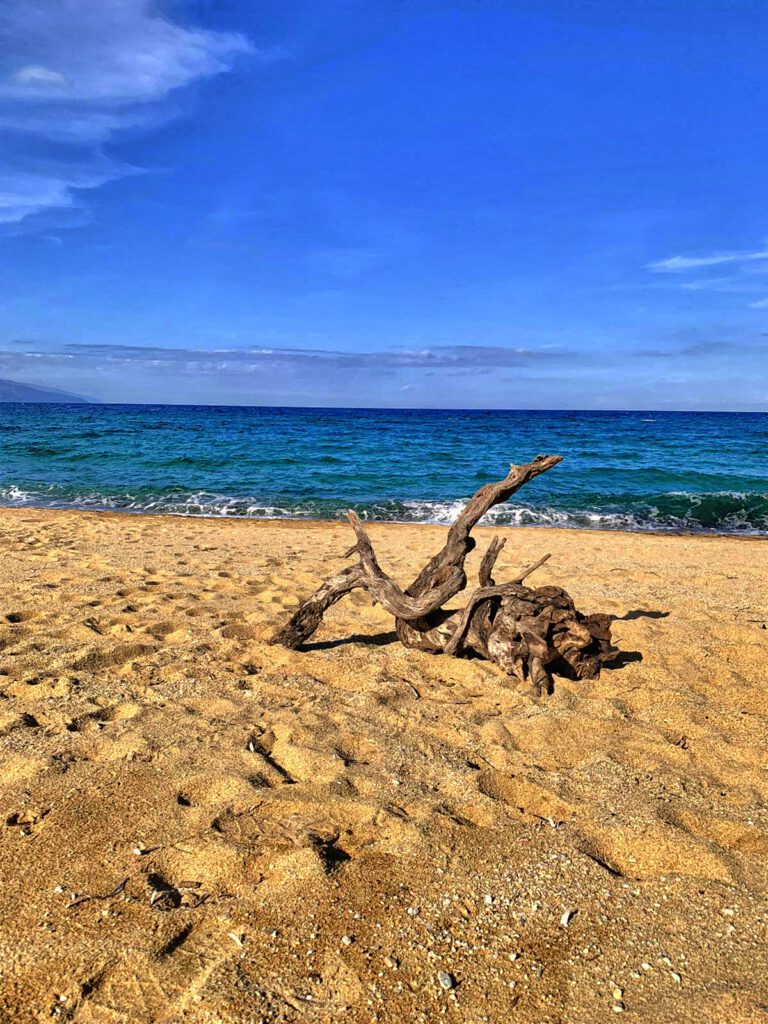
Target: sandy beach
[199, 827]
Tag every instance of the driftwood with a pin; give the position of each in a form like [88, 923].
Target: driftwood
[530, 633]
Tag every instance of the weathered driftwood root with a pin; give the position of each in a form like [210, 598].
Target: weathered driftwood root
[529, 633]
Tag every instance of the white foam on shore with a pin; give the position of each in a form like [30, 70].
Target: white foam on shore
[211, 505]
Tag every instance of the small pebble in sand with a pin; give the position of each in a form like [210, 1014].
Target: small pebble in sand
[347, 940]
[488, 899]
[677, 978]
[567, 917]
[446, 980]
[142, 851]
[617, 993]
[618, 1007]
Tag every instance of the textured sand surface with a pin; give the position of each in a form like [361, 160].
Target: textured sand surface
[199, 827]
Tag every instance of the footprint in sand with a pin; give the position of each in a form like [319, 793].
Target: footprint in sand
[113, 657]
[101, 717]
[647, 850]
[525, 797]
[17, 617]
[167, 631]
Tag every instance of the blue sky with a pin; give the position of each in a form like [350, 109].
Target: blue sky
[470, 204]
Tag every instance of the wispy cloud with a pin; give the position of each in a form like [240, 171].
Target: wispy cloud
[460, 358]
[702, 350]
[87, 367]
[76, 73]
[440, 373]
[744, 274]
[438, 376]
[677, 264]
[734, 285]
[50, 185]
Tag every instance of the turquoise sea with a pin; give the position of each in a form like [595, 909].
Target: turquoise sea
[622, 470]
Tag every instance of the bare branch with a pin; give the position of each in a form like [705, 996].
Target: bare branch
[489, 560]
[531, 568]
[458, 544]
[388, 594]
[310, 614]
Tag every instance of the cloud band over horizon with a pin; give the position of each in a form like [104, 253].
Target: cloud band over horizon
[441, 376]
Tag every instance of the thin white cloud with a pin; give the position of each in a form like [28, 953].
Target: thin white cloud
[449, 359]
[115, 52]
[35, 75]
[709, 284]
[739, 283]
[676, 264]
[75, 73]
[760, 304]
[24, 193]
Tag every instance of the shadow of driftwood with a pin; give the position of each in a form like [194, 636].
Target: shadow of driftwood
[621, 659]
[640, 613]
[370, 640]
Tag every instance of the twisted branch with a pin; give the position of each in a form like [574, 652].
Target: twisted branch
[441, 579]
[527, 632]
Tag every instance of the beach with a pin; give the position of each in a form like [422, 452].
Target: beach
[200, 827]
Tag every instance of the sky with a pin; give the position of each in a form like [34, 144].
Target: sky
[473, 204]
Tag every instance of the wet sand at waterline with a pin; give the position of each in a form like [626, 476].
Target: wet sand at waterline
[199, 827]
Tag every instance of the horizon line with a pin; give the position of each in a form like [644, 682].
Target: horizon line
[84, 401]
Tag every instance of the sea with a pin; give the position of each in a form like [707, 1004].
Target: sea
[653, 471]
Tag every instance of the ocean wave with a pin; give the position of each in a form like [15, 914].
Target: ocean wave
[727, 512]
[196, 504]
[674, 511]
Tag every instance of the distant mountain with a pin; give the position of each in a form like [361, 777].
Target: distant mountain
[15, 391]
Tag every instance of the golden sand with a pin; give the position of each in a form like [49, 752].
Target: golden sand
[199, 827]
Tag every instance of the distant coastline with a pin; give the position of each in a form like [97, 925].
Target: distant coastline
[15, 391]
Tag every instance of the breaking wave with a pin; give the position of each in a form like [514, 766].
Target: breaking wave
[731, 512]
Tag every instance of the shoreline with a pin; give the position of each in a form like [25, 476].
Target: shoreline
[317, 522]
